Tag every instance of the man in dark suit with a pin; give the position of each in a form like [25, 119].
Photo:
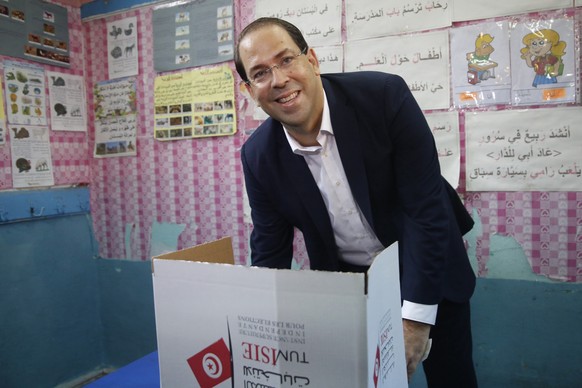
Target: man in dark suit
[350, 161]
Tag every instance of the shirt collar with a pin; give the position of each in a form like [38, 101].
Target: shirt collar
[325, 129]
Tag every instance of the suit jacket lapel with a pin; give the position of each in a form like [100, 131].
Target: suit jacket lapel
[345, 124]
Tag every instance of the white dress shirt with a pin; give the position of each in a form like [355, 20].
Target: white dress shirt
[356, 241]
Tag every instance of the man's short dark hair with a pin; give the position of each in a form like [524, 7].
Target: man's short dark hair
[293, 32]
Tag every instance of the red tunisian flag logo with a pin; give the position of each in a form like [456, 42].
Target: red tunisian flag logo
[211, 366]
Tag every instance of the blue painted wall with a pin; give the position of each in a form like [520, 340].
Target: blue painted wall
[64, 313]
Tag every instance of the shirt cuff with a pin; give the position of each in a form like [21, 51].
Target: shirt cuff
[425, 313]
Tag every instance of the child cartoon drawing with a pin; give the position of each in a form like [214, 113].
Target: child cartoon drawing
[543, 52]
[480, 66]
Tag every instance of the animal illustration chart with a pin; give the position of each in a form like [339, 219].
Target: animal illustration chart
[67, 102]
[25, 88]
[31, 156]
[122, 48]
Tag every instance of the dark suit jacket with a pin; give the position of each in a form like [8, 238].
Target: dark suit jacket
[390, 160]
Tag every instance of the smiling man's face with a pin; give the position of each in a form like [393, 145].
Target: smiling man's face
[293, 96]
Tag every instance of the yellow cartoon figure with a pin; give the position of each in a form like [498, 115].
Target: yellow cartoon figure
[543, 52]
[480, 66]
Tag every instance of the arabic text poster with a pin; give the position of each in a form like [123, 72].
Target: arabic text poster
[445, 129]
[67, 102]
[115, 118]
[319, 21]
[480, 64]
[421, 59]
[31, 156]
[524, 150]
[543, 62]
[122, 48]
[198, 103]
[476, 9]
[331, 58]
[371, 18]
[25, 89]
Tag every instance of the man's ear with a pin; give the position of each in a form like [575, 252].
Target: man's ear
[312, 58]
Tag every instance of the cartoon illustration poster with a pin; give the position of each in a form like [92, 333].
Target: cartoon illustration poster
[67, 102]
[543, 62]
[122, 47]
[31, 156]
[480, 64]
[25, 91]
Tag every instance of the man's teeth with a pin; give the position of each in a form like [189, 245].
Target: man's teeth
[289, 98]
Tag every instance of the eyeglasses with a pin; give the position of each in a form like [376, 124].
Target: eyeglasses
[263, 76]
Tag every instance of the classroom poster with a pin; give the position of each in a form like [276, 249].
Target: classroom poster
[543, 62]
[197, 103]
[122, 48]
[31, 156]
[115, 118]
[476, 9]
[2, 117]
[524, 150]
[445, 129]
[480, 64]
[371, 18]
[320, 22]
[190, 34]
[25, 87]
[421, 59]
[67, 102]
[331, 58]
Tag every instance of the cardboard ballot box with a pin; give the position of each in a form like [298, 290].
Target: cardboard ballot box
[225, 325]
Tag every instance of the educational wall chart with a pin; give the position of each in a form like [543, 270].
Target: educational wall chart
[31, 156]
[197, 103]
[25, 89]
[543, 62]
[193, 34]
[421, 59]
[331, 58]
[524, 150]
[445, 129]
[35, 30]
[2, 117]
[122, 48]
[371, 18]
[475, 9]
[480, 64]
[67, 102]
[115, 118]
[319, 21]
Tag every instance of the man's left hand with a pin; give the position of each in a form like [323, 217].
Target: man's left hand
[415, 343]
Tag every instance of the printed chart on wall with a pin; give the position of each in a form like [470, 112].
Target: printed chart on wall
[31, 156]
[25, 89]
[524, 150]
[421, 59]
[115, 118]
[35, 30]
[319, 21]
[193, 34]
[67, 102]
[2, 118]
[196, 103]
[122, 48]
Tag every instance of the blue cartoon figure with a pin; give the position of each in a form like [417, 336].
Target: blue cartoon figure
[543, 52]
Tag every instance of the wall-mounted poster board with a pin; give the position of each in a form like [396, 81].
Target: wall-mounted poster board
[193, 33]
[35, 30]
